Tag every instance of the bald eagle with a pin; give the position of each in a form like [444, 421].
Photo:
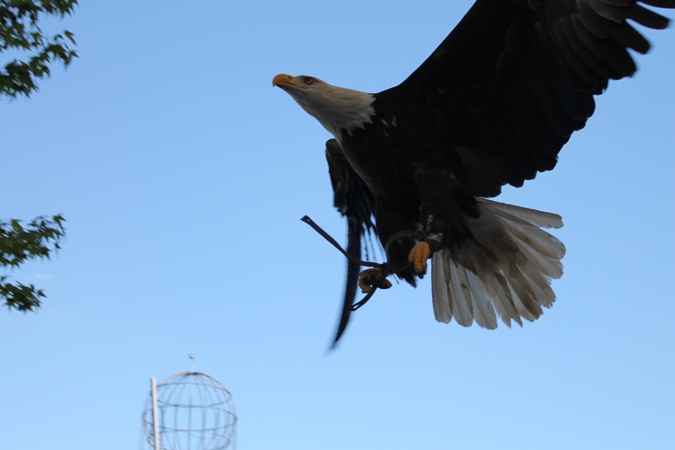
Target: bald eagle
[493, 105]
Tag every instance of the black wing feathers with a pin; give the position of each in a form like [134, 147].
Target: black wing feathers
[511, 83]
[351, 196]
[356, 202]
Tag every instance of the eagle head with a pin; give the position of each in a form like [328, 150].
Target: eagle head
[337, 109]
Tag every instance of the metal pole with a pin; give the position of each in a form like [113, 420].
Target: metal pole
[155, 424]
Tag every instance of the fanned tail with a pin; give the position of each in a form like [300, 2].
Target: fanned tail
[505, 271]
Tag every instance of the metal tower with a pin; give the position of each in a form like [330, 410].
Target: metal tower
[193, 412]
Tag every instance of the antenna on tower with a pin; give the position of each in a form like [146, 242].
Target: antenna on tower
[192, 359]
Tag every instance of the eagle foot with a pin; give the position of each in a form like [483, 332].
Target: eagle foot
[418, 258]
[373, 278]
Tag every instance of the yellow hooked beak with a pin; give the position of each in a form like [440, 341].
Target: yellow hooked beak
[287, 81]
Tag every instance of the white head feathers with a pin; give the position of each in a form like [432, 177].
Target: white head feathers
[336, 108]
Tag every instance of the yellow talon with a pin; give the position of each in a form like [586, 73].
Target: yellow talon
[370, 278]
[418, 257]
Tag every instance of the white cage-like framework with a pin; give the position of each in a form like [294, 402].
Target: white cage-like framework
[194, 412]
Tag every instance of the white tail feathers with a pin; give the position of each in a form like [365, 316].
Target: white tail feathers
[506, 270]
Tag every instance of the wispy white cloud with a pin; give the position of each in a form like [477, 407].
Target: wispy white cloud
[41, 276]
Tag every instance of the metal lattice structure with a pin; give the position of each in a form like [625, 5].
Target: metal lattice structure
[194, 412]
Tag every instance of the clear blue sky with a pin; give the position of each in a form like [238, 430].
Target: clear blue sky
[183, 175]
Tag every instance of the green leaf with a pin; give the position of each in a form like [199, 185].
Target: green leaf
[19, 29]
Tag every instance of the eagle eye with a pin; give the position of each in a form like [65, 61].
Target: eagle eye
[308, 80]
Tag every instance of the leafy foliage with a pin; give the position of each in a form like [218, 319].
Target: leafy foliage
[19, 30]
[19, 244]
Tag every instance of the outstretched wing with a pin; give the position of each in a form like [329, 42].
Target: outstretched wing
[506, 89]
[356, 202]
